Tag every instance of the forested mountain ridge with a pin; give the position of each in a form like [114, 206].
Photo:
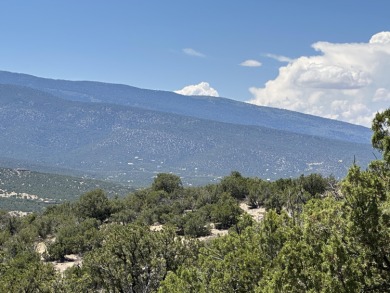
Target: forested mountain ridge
[131, 145]
[210, 108]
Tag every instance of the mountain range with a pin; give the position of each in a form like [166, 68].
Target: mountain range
[127, 134]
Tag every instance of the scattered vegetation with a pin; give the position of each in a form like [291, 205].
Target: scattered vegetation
[28, 191]
[318, 235]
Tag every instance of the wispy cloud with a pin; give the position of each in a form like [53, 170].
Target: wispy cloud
[192, 52]
[347, 81]
[251, 63]
[279, 58]
[201, 89]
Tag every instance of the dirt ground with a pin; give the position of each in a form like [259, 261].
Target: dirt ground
[70, 260]
[257, 214]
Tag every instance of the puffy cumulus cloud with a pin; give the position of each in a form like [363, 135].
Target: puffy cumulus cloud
[201, 89]
[380, 38]
[251, 63]
[331, 76]
[192, 52]
[347, 81]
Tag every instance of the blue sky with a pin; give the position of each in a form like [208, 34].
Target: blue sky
[172, 44]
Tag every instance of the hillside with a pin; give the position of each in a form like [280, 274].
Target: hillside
[210, 108]
[129, 144]
[25, 190]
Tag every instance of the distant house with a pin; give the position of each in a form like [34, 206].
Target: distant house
[22, 170]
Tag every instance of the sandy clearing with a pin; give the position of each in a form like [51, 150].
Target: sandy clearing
[257, 213]
[71, 260]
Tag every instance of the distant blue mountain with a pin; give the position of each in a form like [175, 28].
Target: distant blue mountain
[211, 108]
[130, 144]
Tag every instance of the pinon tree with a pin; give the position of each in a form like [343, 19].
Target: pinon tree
[381, 136]
[368, 205]
[94, 204]
[134, 259]
[167, 182]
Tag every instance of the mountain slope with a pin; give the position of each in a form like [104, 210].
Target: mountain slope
[211, 108]
[131, 145]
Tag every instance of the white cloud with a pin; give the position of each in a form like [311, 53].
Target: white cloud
[331, 76]
[382, 94]
[251, 63]
[380, 38]
[201, 89]
[192, 52]
[279, 58]
[347, 81]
